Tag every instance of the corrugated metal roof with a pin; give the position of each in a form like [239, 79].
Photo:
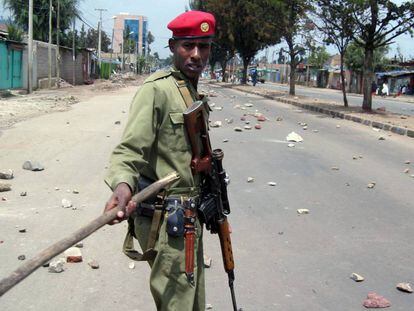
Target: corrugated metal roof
[395, 73]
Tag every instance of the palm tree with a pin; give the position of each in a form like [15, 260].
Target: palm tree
[20, 10]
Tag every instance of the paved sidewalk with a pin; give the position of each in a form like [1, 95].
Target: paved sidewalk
[396, 123]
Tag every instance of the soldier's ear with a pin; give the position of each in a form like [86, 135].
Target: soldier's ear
[171, 45]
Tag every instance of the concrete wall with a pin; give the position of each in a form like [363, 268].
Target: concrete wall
[41, 65]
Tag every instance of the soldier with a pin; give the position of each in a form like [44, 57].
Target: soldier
[153, 145]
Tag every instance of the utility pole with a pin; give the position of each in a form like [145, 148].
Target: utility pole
[73, 53]
[50, 44]
[30, 51]
[58, 45]
[100, 35]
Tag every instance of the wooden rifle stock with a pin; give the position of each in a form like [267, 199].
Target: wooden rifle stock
[225, 243]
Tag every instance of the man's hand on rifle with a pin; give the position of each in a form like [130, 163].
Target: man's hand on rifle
[121, 197]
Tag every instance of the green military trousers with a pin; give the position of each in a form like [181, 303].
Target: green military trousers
[168, 282]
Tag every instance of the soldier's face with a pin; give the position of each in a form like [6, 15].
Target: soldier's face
[190, 56]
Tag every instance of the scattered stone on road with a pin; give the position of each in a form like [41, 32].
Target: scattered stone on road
[354, 157]
[131, 265]
[73, 254]
[66, 203]
[93, 264]
[315, 131]
[238, 129]
[405, 287]
[75, 191]
[209, 306]
[22, 230]
[4, 199]
[23, 194]
[117, 122]
[247, 127]
[248, 105]
[5, 187]
[294, 137]
[338, 126]
[225, 140]
[57, 266]
[371, 185]
[250, 179]
[407, 170]
[229, 121]
[216, 124]
[407, 162]
[207, 261]
[272, 183]
[376, 301]
[278, 119]
[381, 138]
[303, 211]
[57, 188]
[21, 257]
[291, 145]
[6, 174]
[335, 168]
[218, 108]
[261, 118]
[33, 166]
[258, 127]
[356, 277]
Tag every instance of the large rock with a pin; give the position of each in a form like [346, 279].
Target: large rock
[405, 287]
[376, 301]
[33, 166]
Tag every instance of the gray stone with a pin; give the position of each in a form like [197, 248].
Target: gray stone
[57, 266]
[271, 183]
[6, 174]
[238, 129]
[356, 277]
[407, 170]
[371, 185]
[302, 211]
[93, 264]
[22, 230]
[79, 245]
[250, 179]
[21, 257]
[209, 306]
[75, 191]
[225, 140]
[381, 138]
[5, 187]
[207, 261]
[335, 168]
[117, 122]
[131, 265]
[66, 203]
[33, 166]
[405, 287]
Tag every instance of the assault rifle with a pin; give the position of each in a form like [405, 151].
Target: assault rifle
[214, 207]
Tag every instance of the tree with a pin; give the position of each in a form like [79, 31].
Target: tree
[223, 48]
[150, 40]
[336, 21]
[354, 59]
[82, 37]
[20, 11]
[92, 40]
[14, 33]
[255, 30]
[318, 57]
[290, 25]
[378, 23]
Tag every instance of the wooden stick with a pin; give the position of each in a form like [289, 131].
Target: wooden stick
[44, 256]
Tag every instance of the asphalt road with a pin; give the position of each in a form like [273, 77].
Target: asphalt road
[396, 106]
[283, 261]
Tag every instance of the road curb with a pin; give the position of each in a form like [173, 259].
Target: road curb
[375, 124]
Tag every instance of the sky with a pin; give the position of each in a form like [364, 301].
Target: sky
[161, 12]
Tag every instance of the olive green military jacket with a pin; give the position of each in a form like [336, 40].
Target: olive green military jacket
[154, 141]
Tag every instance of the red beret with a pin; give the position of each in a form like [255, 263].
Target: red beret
[193, 25]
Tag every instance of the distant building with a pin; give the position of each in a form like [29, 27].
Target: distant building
[137, 24]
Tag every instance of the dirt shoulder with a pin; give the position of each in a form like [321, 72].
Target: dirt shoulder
[397, 123]
[16, 107]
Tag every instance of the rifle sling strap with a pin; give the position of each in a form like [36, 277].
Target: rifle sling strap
[150, 253]
[185, 92]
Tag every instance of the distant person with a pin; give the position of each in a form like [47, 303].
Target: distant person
[385, 90]
[254, 76]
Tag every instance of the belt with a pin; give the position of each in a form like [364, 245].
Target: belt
[147, 209]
